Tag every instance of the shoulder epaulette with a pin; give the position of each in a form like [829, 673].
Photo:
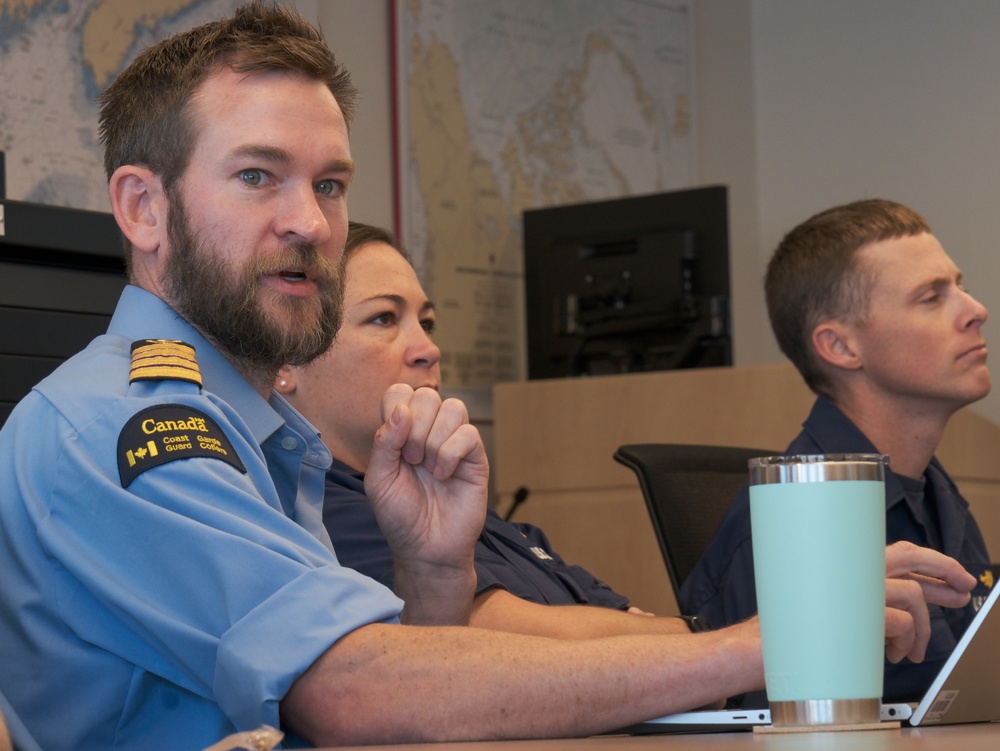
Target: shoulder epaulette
[164, 359]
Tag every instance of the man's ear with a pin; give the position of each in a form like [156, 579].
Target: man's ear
[140, 207]
[834, 344]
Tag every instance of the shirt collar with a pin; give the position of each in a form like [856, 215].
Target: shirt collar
[834, 433]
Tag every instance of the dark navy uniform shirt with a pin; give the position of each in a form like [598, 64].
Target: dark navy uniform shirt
[721, 587]
[514, 557]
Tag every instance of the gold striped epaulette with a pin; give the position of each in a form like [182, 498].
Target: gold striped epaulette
[163, 360]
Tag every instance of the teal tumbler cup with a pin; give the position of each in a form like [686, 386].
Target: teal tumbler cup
[818, 529]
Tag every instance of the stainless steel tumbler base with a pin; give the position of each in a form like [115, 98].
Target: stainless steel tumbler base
[825, 712]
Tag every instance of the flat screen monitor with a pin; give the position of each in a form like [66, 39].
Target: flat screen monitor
[628, 285]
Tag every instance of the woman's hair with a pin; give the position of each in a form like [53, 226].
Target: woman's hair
[359, 234]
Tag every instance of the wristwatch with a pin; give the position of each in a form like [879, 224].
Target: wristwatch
[696, 624]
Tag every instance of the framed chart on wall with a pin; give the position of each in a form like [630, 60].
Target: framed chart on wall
[502, 107]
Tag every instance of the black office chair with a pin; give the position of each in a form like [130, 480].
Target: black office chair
[687, 490]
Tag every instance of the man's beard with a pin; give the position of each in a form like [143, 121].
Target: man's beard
[226, 305]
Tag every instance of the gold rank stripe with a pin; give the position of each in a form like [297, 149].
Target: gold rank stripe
[163, 348]
[164, 360]
[142, 359]
[159, 371]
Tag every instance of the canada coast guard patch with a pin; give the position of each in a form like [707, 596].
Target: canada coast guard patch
[166, 432]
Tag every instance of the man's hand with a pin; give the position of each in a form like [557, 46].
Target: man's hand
[916, 576]
[427, 481]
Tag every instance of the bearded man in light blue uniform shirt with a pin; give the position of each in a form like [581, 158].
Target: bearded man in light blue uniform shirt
[138, 586]
[167, 575]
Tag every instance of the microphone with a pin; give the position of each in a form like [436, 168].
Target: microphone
[520, 496]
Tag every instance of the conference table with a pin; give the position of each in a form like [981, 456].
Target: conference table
[940, 738]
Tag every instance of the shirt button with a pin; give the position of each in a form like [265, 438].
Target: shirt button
[288, 443]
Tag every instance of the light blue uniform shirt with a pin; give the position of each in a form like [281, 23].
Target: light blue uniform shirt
[179, 609]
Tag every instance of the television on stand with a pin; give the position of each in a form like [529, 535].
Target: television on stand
[628, 285]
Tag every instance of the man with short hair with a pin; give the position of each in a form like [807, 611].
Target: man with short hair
[875, 316]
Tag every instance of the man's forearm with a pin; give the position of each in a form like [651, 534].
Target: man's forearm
[450, 684]
[499, 610]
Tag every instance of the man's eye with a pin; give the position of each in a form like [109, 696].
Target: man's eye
[251, 176]
[327, 187]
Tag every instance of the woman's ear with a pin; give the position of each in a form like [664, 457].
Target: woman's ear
[140, 207]
[833, 343]
[284, 384]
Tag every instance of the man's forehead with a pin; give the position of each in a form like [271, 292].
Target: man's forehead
[909, 261]
[223, 87]
[236, 108]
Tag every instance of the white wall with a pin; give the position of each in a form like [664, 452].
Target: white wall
[801, 104]
[889, 98]
[727, 155]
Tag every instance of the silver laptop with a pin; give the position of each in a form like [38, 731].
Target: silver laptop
[964, 690]
[722, 720]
